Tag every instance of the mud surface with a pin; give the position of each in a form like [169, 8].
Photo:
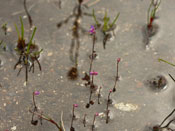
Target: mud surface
[134, 106]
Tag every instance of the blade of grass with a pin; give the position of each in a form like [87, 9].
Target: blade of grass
[166, 62]
[114, 21]
[33, 34]
[106, 20]
[17, 31]
[93, 13]
[38, 52]
[148, 17]
[22, 29]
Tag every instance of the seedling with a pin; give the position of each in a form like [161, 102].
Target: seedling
[93, 123]
[106, 26]
[152, 12]
[73, 117]
[109, 101]
[28, 52]
[2, 45]
[41, 116]
[4, 28]
[117, 76]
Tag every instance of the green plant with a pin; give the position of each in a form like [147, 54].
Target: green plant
[4, 28]
[28, 52]
[106, 25]
[152, 12]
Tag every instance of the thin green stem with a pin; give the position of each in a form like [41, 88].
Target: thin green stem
[33, 34]
[93, 14]
[17, 30]
[22, 29]
[116, 18]
[166, 62]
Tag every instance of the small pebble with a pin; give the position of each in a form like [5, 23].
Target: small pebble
[13, 128]
[50, 54]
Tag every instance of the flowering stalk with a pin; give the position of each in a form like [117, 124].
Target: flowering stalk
[107, 107]
[92, 32]
[41, 116]
[117, 76]
[35, 93]
[93, 74]
[34, 122]
[93, 124]
[73, 116]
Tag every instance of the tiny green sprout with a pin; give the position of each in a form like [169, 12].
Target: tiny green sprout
[3, 45]
[22, 29]
[114, 21]
[106, 25]
[106, 21]
[17, 31]
[4, 28]
[30, 43]
[95, 19]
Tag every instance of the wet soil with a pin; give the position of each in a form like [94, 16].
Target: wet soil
[134, 106]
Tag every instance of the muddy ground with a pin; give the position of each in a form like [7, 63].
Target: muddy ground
[135, 105]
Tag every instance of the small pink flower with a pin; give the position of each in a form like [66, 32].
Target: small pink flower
[96, 114]
[92, 30]
[118, 60]
[75, 105]
[110, 90]
[94, 73]
[36, 93]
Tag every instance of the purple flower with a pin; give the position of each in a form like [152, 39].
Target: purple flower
[75, 105]
[36, 93]
[94, 73]
[92, 30]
